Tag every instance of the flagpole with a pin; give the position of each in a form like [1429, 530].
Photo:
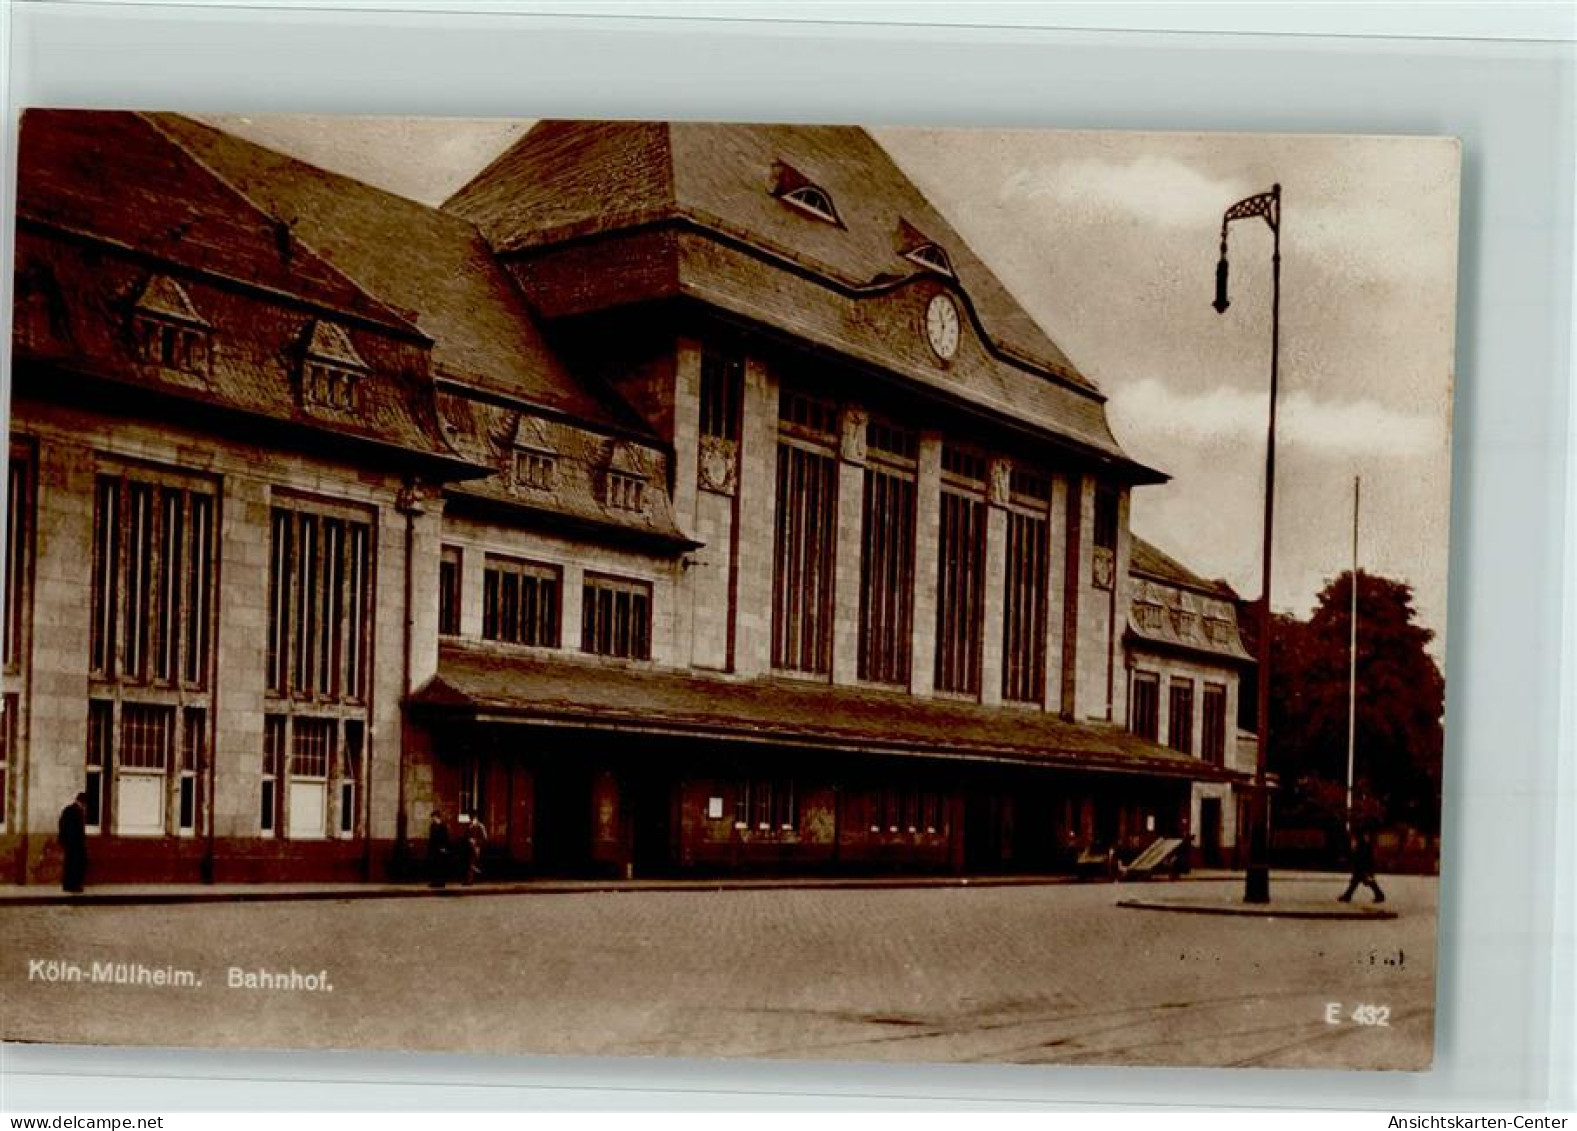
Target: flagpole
[1352, 653]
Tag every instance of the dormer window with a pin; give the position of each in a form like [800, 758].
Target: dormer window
[814, 202]
[167, 329]
[536, 471]
[932, 258]
[626, 492]
[331, 369]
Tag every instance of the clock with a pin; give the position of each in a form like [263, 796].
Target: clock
[941, 326]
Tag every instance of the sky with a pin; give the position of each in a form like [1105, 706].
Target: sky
[1110, 241]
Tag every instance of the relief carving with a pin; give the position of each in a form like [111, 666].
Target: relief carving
[854, 422]
[718, 465]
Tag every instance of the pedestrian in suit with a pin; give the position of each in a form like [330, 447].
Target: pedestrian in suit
[437, 851]
[475, 842]
[74, 844]
[1362, 867]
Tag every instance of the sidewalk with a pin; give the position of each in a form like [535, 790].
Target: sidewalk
[15, 895]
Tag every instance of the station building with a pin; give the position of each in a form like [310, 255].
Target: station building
[676, 498]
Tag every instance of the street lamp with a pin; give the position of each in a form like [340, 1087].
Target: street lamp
[1256, 887]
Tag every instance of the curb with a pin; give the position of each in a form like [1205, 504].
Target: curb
[109, 897]
[1256, 911]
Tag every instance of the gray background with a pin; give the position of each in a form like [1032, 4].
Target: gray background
[1498, 77]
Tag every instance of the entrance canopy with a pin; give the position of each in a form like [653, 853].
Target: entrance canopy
[483, 685]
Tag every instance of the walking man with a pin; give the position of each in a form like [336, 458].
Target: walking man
[74, 844]
[1362, 867]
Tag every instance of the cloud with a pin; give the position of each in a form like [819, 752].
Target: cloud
[1158, 190]
[1225, 415]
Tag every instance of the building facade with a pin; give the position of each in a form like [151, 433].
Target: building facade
[674, 498]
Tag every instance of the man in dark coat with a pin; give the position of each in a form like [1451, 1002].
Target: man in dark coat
[1362, 867]
[74, 843]
[437, 851]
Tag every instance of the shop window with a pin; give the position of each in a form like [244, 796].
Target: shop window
[766, 805]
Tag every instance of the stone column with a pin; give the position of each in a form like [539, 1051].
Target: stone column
[57, 714]
[1056, 597]
[998, 482]
[846, 586]
[757, 510]
[928, 521]
[693, 586]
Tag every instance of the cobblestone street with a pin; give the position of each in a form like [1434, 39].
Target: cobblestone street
[1030, 974]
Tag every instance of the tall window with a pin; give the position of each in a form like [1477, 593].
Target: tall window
[18, 525]
[8, 735]
[1024, 607]
[1144, 705]
[1214, 724]
[150, 617]
[142, 777]
[449, 591]
[960, 588]
[722, 380]
[1106, 518]
[1180, 716]
[153, 551]
[887, 554]
[616, 617]
[520, 602]
[319, 596]
[805, 541]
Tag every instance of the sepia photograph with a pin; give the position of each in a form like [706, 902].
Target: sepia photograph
[718, 589]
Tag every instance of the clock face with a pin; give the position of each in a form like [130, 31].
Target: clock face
[941, 326]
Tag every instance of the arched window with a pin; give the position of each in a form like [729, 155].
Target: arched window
[932, 258]
[812, 201]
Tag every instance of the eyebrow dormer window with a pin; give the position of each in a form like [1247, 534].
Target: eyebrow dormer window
[932, 258]
[813, 202]
[167, 328]
[331, 369]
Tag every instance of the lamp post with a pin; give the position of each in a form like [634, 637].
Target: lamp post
[1267, 205]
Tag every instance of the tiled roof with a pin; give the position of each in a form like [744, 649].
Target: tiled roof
[491, 434]
[582, 177]
[745, 251]
[432, 265]
[1172, 607]
[1147, 559]
[481, 682]
[117, 176]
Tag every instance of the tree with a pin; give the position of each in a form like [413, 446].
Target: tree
[1400, 703]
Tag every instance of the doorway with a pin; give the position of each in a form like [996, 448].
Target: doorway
[1210, 832]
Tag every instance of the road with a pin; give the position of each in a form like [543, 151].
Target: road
[1012, 974]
